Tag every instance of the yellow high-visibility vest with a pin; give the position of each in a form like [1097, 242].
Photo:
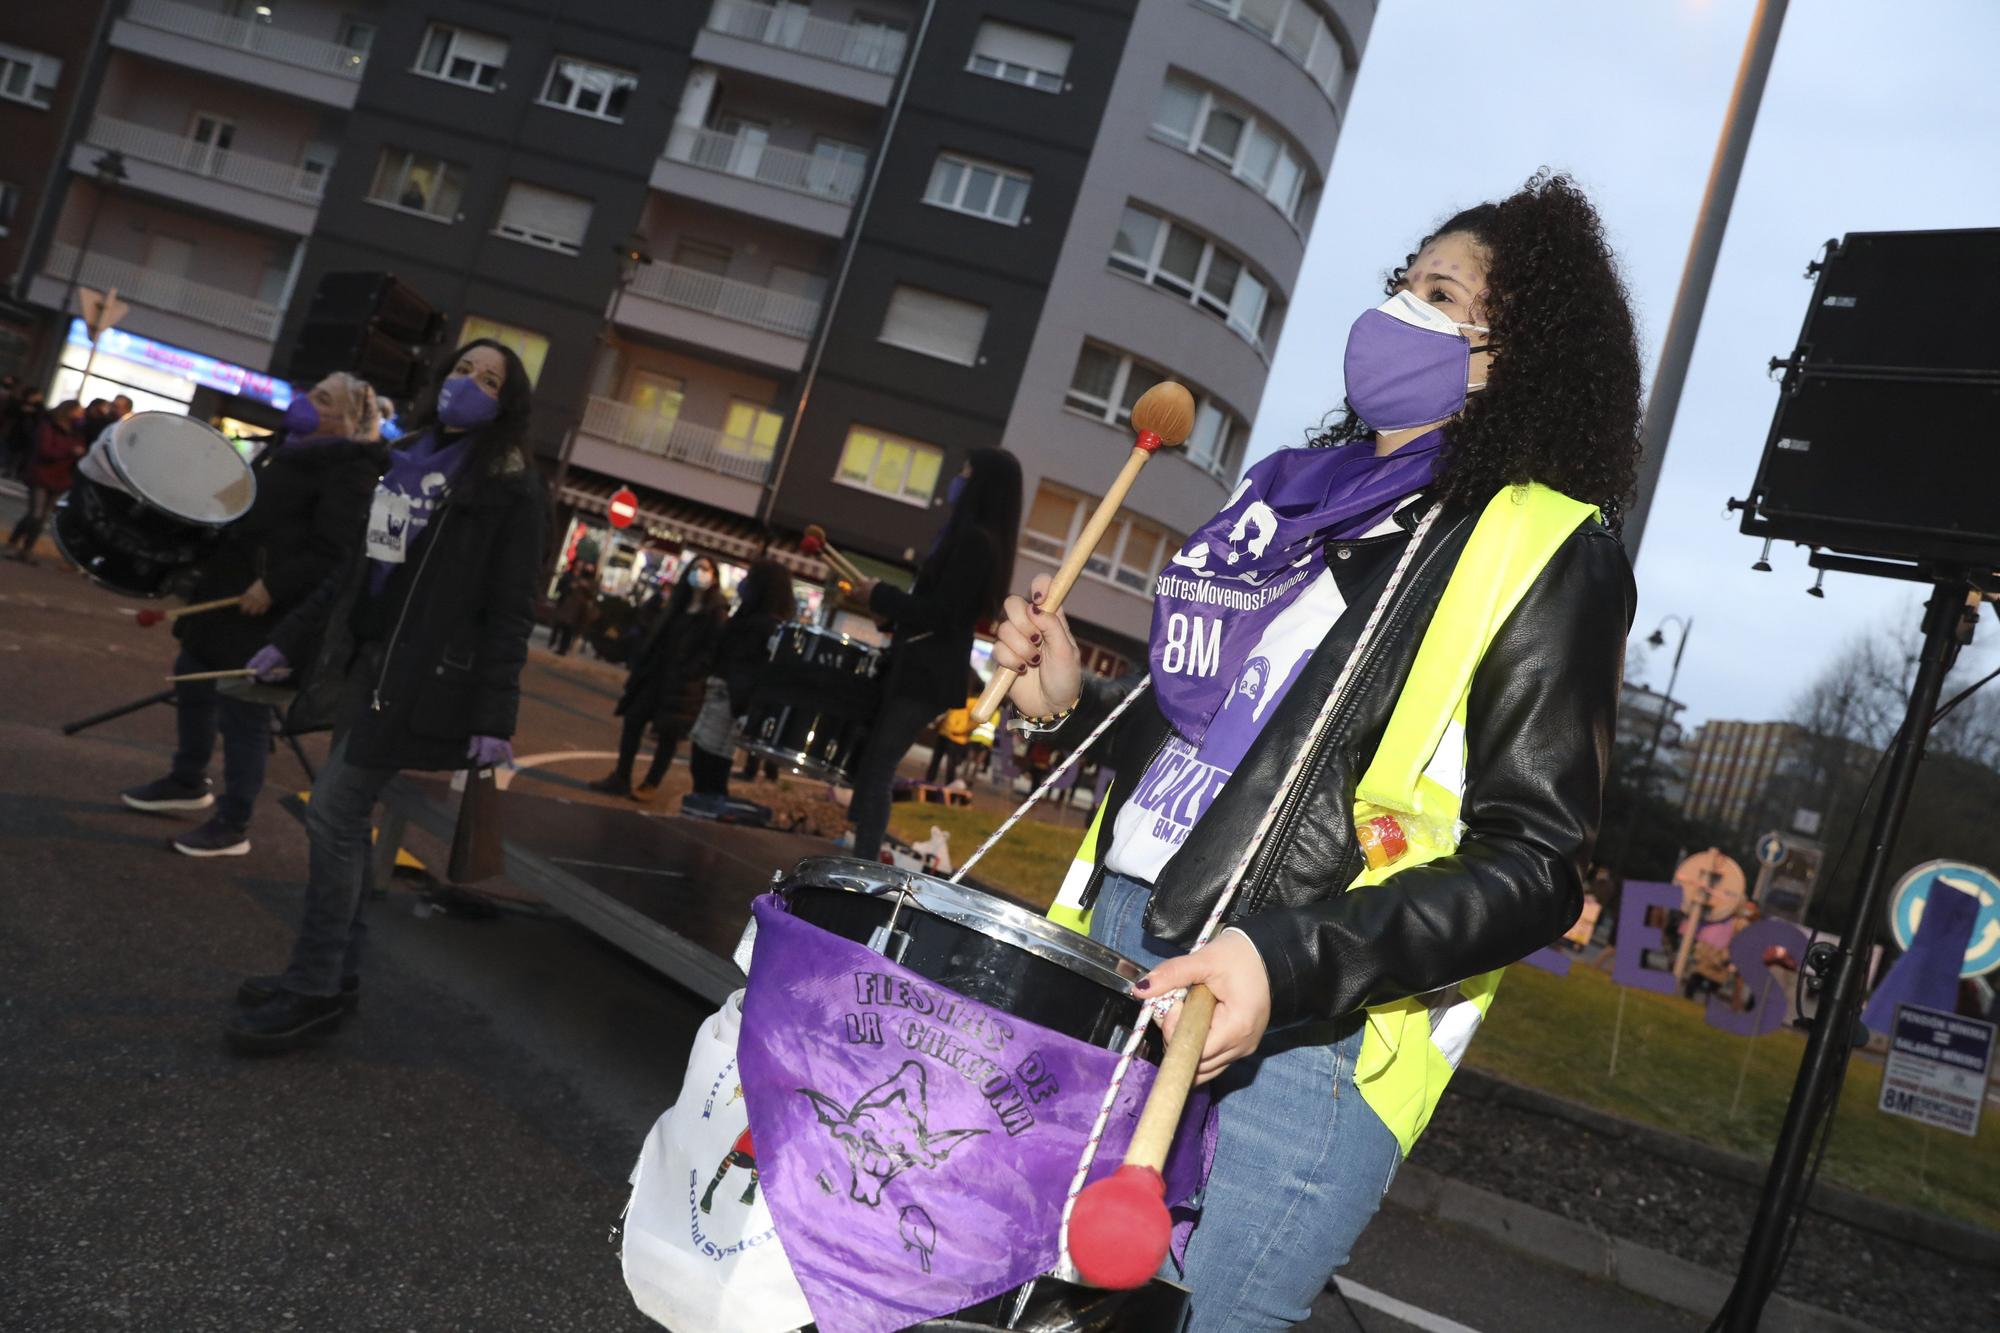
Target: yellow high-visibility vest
[1413, 1046]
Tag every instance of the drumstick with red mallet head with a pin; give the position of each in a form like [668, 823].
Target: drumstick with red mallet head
[815, 543]
[1164, 414]
[150, 617]
[1119, 1229]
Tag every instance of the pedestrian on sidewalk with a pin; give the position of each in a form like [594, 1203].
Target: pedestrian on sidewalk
[18, 426]
[96, 418]
[411, 652]
[59, 446]
[968, 570]
[954, 735]
[764, 601]
[313, 489]
[576, 596]
[668, 678]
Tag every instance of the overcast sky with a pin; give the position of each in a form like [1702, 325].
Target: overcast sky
[1876, 117]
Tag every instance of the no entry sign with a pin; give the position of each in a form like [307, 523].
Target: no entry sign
[624, 507]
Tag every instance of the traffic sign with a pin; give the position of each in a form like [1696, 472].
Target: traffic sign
[1906, 909]
[101, 310]
[1771, 850]
[624, 507]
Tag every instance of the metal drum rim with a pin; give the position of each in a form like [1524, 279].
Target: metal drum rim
[978, 910]
[800, 626]
[796, 759]
[115, 457]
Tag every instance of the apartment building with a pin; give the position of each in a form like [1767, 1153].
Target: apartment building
[1742, 773]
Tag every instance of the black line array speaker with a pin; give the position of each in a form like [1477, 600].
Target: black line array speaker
[1886, 441]
[371, 325]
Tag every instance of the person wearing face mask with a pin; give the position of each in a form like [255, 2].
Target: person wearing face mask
[1401, 645]
[313, 489]
[59, 445]
[666, 680]
[411, 652]
[960, 583]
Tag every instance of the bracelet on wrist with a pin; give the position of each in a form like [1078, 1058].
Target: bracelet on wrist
[1023, 722]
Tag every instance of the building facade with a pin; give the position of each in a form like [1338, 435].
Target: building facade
[771, 263]
[1741, 773]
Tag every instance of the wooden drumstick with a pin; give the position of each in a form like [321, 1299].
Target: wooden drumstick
[150, 617]
[235, 673]
[1120, 1229]
[815, 543]
[1164, 414]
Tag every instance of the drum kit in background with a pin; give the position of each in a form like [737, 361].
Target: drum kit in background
[149, 500]
[811, 708]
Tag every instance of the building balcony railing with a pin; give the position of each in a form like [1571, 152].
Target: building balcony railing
[683, 441]
[207, 25]
[727, 298]
[163, 291]
[870, 47]
[265, 175]
[752, 159]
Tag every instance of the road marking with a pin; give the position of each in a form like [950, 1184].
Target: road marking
[1403, 1310]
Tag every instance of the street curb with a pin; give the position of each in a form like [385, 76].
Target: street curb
[1945, 1236]
[1585, 1249]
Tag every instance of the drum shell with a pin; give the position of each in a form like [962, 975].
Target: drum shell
[811, 706]
[123, 544]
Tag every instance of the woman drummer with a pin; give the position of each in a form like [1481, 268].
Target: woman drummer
[1504, 355]
[313, 488]
[413, 652]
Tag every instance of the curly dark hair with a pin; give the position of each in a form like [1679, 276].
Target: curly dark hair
[1561, 405]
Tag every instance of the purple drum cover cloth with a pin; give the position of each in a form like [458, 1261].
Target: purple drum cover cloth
[915, 1146]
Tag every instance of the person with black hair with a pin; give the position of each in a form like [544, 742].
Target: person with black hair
[764, 601]
[59, 445]
[961, 582]
[668, 677]
[411, 652]
[1403, 646]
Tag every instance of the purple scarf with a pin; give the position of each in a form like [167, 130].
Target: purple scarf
[420, 474]
[1213, 601]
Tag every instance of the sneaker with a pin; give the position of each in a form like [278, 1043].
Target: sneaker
[613, 785]
[214, 838]
[284, 1022]
[701, 805]
[646, 791]
[262, 989]
[169, 794]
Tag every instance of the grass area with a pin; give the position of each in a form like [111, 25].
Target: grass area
[1676, 1072]
[1554, 1033]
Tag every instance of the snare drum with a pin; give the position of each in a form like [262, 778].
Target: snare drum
[811, 707]
[149, 500]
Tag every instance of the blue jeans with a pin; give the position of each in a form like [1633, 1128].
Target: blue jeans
[1301, 1161]
[201, 710]
[331, 931]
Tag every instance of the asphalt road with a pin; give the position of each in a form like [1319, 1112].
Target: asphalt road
[455, 1156]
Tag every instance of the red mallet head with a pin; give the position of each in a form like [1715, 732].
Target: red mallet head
[812, 543]
[1119, 1230]
[149, 618]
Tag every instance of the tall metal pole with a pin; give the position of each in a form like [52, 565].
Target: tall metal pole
[1716, 200]
[1652, 748]
[1825, 1063]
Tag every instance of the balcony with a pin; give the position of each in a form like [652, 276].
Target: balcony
[252, 189]
[271, 57]
[857, 61]
[720, 314]
[682, 458]
[223, 324]
[800, 189]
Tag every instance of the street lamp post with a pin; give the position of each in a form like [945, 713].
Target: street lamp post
[632, 256]
[110, 170]
[1657, 640]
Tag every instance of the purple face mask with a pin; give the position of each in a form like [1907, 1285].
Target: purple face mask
[301, 418]
[463, 405]
[1407, 364]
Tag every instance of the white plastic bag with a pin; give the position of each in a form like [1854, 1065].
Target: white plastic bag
[701, 1253]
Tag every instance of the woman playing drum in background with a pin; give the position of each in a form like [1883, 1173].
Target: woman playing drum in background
[1505, 355]
[421, 636]
[58, 445]
[313, 487]
[961, 582]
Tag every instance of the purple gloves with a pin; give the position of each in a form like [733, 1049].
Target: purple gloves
[269, 664]
[491, 752]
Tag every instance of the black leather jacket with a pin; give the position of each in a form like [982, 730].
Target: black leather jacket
[1539, 728]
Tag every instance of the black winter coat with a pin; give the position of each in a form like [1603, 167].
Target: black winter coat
[744, 655]
[934, 621]
[1538, 743]
[310, 511]
[459, 609]
[671, 670]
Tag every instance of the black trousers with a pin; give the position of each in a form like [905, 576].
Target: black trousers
[896, 728]
[628, 751]
[711, 771]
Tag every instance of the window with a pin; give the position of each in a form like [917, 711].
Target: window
[418, 183]
[982, 189]
[1131, 552]
[702, 257]
[548, 218]
[315, 164]
[10, 204]
[890, 465]
[939, 326]
[750, 431]
[531, 347]
[457, 55]
[874, 43]
[1107, 383]
[1167, 255]
[209, 140]
[357, 35]
[28, 76]
[587, 89]
[837, 167]
[1295, 27]
[1018, 55]
[1207, 124]
[657, 399]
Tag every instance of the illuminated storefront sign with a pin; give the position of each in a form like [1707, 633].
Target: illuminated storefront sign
[182, 364]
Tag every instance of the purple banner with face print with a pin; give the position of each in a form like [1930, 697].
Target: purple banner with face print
[915, 1146]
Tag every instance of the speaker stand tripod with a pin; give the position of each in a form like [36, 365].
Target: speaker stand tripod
[278, 731]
